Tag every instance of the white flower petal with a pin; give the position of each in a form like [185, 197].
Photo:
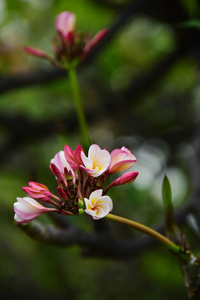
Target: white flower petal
[96, 194]
[86, 161]
[18, 219]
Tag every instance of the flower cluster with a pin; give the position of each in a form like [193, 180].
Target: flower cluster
[80, 180]
[68, 45]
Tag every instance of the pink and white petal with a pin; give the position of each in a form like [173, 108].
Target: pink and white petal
[121, 166]
[21, 221]
[18, 220]
[122, 154]
[65, 23]
[33, 203]
[25, 215]
[37, 185]
[64, 162]
[24, 208]
[60, 162]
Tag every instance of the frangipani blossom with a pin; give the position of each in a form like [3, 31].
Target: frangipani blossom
[26, 209]
[121, 159]
[60, 162]
[97, 162]
[80, 179]
[98, 206]
[37, 191]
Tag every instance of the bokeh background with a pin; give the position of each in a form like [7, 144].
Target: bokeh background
[141, 90]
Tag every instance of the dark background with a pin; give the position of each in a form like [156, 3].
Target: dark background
[140, 87]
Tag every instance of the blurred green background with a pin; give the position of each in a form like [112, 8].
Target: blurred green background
[157, 124]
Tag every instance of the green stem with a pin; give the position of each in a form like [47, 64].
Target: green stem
[79, 108]
[140, 227]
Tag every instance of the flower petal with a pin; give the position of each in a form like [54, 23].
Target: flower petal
[121, 159]
[98, 206]
[36, 52]
[98, 36]
[65, 24]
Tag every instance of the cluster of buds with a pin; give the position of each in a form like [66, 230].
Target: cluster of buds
[81, 180]
[69, 47]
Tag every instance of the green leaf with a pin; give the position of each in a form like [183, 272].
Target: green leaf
[166, 193]
[191, 23]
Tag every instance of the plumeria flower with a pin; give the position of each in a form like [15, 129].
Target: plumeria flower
[26, 209]
[80, 179]
[60, 162]
[121, 159]
[97, 162]
[37, 191]
[68, 45]
[98, 206]
[61, 168]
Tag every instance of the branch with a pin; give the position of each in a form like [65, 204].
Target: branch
[96, 244]
[168, 11]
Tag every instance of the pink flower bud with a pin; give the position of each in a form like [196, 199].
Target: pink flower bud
[97, 38]
[121, 159]
[98, 206]
[125, 178]
[74, 158]
[65, 25]
[37, 191]
[62, 193]
[26, 209]
[36, 52]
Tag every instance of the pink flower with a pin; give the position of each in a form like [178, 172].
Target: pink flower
[68, 45]
[97, 162]
[121, 159]
[37, 191]
[27, 209]
[98, 206]
[74, 158]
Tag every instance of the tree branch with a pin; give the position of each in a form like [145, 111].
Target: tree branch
[166, 11]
